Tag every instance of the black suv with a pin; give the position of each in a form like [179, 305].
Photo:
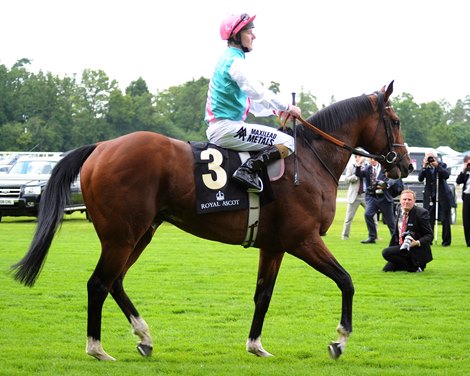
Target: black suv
[22, 187]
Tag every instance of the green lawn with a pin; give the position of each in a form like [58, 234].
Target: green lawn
[196, 297]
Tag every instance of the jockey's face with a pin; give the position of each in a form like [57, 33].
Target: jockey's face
[247, 38]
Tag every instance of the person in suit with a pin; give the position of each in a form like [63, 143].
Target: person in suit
[463, 178]
[431, 171]
[377, 198]
[356, 193]
[410, 246]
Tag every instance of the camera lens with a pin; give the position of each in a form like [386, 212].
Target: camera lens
[430, 159]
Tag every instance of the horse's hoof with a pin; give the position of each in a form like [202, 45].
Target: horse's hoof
[144, 350]
[334, 350]
[257, 349]
[95, 350]
[262, 353]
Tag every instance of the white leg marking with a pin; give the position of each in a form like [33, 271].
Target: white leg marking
[141, 329]
[343, 336]
[255, 347]
[94, 349]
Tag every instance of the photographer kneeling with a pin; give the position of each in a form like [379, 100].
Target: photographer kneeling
[410, 246]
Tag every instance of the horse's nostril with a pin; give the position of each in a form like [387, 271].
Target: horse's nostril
[410, 168]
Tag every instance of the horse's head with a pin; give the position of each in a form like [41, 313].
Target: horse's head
[368, 121]
[388, 139]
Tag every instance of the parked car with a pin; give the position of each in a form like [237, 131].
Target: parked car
[22, 187]
[6, 163]
[4, 168]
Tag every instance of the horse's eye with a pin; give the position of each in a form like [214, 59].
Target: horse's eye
[396, 123]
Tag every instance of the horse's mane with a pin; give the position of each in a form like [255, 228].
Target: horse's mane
[336, 115]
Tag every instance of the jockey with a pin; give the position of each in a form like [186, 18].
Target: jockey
[232, 93]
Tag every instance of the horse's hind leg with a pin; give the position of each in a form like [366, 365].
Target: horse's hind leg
[140, 327]
[97, 292]
[268, 269]
[111, 265]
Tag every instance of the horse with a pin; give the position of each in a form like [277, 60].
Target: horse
[133, 183]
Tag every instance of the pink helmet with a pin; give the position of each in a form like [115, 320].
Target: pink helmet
[233, 24]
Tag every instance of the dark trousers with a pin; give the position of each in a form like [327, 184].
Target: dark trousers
[466, 217]
[374, 203]
[398, 260]
[445, 218]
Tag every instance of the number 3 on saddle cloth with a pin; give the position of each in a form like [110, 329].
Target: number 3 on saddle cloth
[215, 188]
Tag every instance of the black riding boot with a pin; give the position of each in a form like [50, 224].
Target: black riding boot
[247, 173]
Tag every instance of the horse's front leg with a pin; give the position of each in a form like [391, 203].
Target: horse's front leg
[267, 272]
[316, 254]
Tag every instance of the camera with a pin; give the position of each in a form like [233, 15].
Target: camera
[429, 162]
[370, 190]
[381, 184]
[468, 167]
[408, 237]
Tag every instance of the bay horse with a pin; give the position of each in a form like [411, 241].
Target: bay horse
[134, 183]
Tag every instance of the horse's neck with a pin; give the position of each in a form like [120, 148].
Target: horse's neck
[327, 156]
[350, 135]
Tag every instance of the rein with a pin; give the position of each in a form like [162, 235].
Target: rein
[340, 143]
[390, 159]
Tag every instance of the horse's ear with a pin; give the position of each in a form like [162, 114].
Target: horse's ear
[389, 91]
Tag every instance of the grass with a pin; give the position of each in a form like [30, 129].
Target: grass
[196, 297]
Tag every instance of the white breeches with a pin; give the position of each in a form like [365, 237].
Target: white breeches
[238, 135]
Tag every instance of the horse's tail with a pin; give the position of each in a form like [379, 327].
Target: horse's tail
[51, 212]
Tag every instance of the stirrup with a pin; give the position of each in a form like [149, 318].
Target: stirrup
[248, 178]
[254, 190]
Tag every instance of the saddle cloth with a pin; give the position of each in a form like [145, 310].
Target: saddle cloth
[215, 189]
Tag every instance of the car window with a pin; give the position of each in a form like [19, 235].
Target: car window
[33, 167]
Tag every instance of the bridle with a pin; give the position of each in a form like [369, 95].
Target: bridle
[390, 159]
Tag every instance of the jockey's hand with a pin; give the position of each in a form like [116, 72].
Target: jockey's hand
[294, 111]
[283, 117]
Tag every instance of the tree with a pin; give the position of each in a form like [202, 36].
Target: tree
[414, 130]
[59, 114]
[182, 108]
[307, 103]
[133, 111]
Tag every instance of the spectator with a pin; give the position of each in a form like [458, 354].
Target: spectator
[410, 246]
[462, 178]
[356, 193]
[435, 173]
[377, 198]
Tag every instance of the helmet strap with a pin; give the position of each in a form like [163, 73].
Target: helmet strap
[237, 39]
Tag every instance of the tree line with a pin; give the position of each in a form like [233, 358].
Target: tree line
[42, 111]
